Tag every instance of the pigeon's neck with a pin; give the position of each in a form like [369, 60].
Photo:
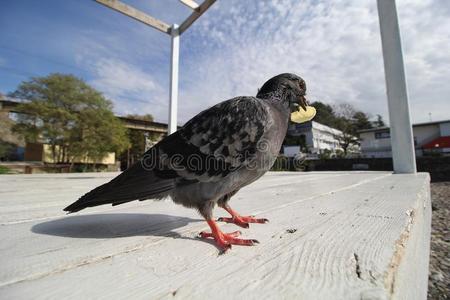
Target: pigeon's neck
[278, 100]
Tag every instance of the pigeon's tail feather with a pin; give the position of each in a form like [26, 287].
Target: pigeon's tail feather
[133, 184]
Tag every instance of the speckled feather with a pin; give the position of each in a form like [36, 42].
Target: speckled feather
[206, 161]
[224, 138]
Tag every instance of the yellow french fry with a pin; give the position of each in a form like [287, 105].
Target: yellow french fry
[302, 115]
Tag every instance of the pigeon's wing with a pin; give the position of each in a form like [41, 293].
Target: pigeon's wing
[219, 140]
[216, 142]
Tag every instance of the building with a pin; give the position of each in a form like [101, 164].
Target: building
[429, 138]
[38, 152]
[317, 138]
[21, 151]
[8, 107]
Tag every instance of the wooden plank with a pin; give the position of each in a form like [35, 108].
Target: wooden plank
[195, 15]
[136, 14]
[356, 236]
[19, 192]
[190, 3]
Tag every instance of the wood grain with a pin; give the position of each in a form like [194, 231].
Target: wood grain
[332, 235]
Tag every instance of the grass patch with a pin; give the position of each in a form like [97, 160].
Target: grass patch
[4, 170]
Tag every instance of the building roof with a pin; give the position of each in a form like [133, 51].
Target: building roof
[414, 125]
[324, 127]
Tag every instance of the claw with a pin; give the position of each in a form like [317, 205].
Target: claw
[225, 240]
[241, 220]
[206, 235]
[225, 249]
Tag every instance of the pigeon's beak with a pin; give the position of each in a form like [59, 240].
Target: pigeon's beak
[303, 103]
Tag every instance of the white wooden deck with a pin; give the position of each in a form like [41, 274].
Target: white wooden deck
[332, 235]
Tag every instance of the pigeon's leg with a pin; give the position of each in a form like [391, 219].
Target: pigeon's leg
[238, 219]
[225, 240]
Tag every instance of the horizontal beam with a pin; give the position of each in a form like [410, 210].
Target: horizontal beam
[195, 15]
[189, 3]
[136, 14]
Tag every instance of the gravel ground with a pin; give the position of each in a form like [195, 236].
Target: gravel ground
[439, 280]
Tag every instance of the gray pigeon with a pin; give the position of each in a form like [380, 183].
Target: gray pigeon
[213, 156]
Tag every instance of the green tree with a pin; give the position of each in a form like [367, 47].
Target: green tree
[379, 122]
[346, 122]
[361, 121]
[69, 115]
[324, 114]
[146, 117]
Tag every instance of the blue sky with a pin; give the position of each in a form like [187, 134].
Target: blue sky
[229, 51]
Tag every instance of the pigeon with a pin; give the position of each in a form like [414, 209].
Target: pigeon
[213, 156]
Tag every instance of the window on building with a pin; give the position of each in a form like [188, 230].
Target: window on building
[382, 134]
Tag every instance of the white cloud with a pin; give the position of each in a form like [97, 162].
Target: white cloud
[131, 89]
[237, 45]
[334, 45]
[426, 44]
[121, 80]
[124, 71]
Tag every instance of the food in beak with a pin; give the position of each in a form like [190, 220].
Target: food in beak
[302, 115]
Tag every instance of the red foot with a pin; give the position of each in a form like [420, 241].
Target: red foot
[243, 221]
[206, 235]
[240, 220]
[225, 240]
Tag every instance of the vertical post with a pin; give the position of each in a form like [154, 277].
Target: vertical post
[402, 142]
[173, 105]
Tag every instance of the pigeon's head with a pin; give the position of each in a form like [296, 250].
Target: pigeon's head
[288, 88]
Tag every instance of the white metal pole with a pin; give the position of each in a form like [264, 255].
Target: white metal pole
[402, 142]
[173, 105]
